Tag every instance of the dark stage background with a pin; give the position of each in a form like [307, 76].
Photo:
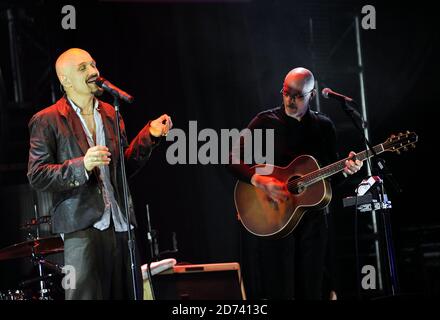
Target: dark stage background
[221, 62]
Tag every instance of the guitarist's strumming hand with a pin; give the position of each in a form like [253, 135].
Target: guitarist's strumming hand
[274, 188]
[352, 166]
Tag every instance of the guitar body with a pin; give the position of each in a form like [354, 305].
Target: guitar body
[264, 217]
[307, 186]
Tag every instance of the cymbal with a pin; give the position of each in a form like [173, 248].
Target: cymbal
[40, 246]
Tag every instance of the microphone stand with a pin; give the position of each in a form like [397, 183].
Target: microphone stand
[382, 168]
[352, 112]
[390, 254]
[131, 242]
[151, 236]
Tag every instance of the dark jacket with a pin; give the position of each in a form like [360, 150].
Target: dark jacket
[57, 148]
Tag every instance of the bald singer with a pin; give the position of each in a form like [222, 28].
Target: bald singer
[73, 155]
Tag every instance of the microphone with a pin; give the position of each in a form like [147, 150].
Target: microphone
[113, 90]
[329, 93]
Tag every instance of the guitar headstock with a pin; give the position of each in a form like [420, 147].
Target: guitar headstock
[401, 141]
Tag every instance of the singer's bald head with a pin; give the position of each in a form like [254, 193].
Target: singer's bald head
[69, 59]
[76, 71]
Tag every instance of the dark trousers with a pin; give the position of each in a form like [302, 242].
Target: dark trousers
[102, 265]
[288, 268]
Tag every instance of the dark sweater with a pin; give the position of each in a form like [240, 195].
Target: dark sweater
[314, 135]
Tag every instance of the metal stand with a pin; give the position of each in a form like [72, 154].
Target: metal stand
[17, 80]
[131, 242]
[40, 269]
[351, 112]
[40, 262]
[154, 249]
[378, 202]
[389, 247]
[151, 237]
[37, 260]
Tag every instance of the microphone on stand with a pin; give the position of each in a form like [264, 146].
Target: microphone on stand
[329, 93]
[346, 101]
[113, 90]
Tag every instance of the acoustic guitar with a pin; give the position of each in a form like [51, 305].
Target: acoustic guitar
[308, 188]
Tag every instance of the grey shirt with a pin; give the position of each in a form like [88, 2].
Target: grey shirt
[111, 206]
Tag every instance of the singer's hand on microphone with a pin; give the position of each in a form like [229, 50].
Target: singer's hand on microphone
[161, 126]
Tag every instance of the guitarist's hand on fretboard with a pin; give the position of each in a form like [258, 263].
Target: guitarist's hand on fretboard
[274, 188]
[352, 165]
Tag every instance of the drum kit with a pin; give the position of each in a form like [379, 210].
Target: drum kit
[35, 249]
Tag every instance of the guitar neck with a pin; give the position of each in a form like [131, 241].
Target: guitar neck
[338, 166]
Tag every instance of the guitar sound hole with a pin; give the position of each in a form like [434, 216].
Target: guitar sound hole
[295, 188]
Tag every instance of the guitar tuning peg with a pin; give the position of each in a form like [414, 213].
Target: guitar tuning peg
[398, 152]
[413, 145]
[405, 148]
[407, 131]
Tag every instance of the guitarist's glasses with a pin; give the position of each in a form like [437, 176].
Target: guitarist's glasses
[296, 96]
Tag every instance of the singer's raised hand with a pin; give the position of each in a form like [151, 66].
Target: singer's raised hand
[161, 126]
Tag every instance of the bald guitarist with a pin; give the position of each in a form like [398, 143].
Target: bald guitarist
[290, 267]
